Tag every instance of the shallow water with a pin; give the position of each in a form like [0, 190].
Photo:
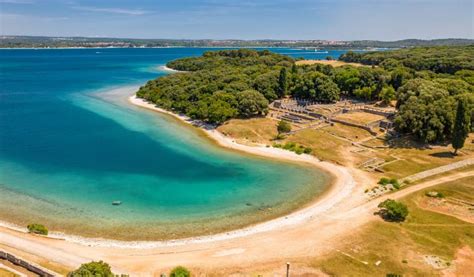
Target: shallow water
[70, 145]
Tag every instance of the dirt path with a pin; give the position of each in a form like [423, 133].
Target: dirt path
[317, 235]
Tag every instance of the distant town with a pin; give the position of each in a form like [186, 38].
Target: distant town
[88, 42]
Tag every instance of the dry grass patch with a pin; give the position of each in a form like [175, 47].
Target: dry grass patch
[401, 247]
[6, 273]
[415, 158]
[334, 63]
[325, 146]
[347, 132]
[362, 118]
[250, 131]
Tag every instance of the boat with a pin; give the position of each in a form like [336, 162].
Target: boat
[116, 203]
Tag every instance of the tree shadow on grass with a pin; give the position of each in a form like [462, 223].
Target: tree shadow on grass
[444, 154]
[385, 215]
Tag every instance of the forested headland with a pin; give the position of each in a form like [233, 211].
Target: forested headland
[427, 84]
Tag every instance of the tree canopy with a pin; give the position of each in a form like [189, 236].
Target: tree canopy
[99, 269]
[426, 82]
[392, 210]
[439, 59]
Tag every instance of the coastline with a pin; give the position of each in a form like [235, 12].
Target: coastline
[341, 187]
[170, 70]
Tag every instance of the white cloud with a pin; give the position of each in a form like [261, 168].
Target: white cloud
[111, 10]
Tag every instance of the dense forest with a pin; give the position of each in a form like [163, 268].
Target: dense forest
[241, 83]
[429, 81]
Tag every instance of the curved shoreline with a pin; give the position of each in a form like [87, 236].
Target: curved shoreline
[170, 70]
[340, 188]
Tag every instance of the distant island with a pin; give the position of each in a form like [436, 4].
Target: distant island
[89, 42]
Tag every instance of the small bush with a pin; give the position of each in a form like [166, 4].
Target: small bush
[279, 137]
[308, 150]
[37, 229]
[299, 151]
[392, 210]
[283, 127]
[180, 271]
[289, 146]
[277, 145]
[99, 268]
[396, 185]
[383, 181]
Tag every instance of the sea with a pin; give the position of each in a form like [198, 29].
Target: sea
[71, 144]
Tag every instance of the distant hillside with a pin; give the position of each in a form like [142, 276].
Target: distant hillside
[439, 59]
[412, 43]
[57, 42]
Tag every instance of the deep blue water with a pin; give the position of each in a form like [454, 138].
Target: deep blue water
[69, 146]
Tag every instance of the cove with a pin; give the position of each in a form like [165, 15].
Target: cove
[70, 145]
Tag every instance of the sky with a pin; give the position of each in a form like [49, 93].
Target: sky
[240, 19]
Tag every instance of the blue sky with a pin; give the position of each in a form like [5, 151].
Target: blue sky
[244, 19]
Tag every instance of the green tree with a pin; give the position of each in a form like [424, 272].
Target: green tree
[251, 103]
[387, 95]
[180, 271]
[317, 86]
[392, 210]
[37, 229]
[282, 82]
[283, 127]
[399, 76]
[92, 269]
[461, 126]
[425, 109]
[267, 84]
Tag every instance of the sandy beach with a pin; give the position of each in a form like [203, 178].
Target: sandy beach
[167, 69]
[314, 230]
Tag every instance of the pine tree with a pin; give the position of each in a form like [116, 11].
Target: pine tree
[282, 82]
[461, 126]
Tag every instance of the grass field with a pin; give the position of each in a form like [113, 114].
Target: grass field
[334, 63]
[338, 143]
[359, 117]
[6, 273]
[250, 131]
[401, 247]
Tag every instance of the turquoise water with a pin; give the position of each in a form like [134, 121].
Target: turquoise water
[70, 145]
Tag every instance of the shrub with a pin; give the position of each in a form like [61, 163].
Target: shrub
[308, 150]
[180, 271]
[392, 210]
[283, 127]
[279, 136]
[383, 181]
[99, 268]
[289, 146]
[37, 229]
